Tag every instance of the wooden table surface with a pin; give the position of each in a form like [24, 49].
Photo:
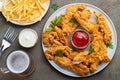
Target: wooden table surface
[44, 70]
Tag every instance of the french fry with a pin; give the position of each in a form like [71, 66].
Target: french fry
[13, 1]
[43, 1]
[23, 10]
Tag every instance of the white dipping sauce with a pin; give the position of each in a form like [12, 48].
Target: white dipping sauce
[28, 38]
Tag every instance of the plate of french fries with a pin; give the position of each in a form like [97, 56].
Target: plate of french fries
[24, 12]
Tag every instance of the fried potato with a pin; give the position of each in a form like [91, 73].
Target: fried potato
[23, 11]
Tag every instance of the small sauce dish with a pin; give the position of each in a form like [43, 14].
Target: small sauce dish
[28, 38]
[80, 39]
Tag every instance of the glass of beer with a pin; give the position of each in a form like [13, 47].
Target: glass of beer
[19, 63]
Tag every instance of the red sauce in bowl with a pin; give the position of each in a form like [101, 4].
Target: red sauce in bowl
[80, 39]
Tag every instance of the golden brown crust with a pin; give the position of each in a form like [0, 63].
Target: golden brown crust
[55, 38]
[107, 35]
[84, 22]
[58, 39]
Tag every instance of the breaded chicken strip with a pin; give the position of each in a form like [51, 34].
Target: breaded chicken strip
[107, 35]
[67, 28]
[85, 23]
[64, 61]
[74, 8]
[66, 25]
[54, 38]
[49, 37]
[81, 57]
[94, 66]
[98, 57]
[80, 68]
[95, 59]
[96, 40]
[62, 39]
[73, 54]
[50, 53]
[85, 14]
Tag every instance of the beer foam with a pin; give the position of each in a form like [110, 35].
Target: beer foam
[18, 62]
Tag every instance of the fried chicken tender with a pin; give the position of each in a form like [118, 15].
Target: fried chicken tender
[85, 23]
[50, 53]
[73, 54]
[64, 61]
[96, 40]
[48, 37]
[54, 38]
[96, 58]
[63, 39]
[81, 57]
[67, 28]
[74, 8]
[65, 24]
[107, 35]
[80, 68]
[86, 14]
[94, 67]
[91, 60]
[103, 53]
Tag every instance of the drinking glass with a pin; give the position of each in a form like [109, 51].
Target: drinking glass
[18, 63]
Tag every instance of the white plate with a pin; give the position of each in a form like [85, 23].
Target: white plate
[111, 52]
[46, 4]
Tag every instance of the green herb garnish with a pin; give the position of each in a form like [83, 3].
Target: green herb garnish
[73, 21]
[59, 53]
[54, 23]
[49, 28]
[91, 50]
[58, 19]
[110, 45]
[54, 6]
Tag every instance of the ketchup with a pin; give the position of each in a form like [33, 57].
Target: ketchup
[80, 39]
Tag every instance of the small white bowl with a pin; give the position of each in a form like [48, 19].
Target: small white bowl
[28, 38]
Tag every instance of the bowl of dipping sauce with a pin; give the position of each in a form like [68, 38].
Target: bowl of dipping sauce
[80, 39]
[28, 38]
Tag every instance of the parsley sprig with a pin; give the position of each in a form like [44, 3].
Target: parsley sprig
[54, 6]
[110, 45]
[59, 53]
[54, 23]
[91, 50]
[73, 21]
